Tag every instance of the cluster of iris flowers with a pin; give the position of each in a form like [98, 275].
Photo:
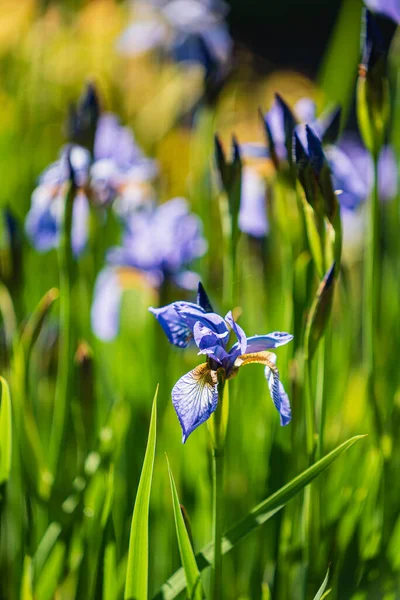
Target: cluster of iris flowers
[160, 241]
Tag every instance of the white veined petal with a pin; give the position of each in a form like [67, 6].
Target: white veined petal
[195, 398]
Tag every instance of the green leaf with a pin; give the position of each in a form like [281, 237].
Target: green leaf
[5, 432]
[110, 572]
[321, 592]
[35, 322]
[188, 559]
[319, 313]
[46, 545]
[26, 582]
[51, 573]
[256, 517]
[138, 555]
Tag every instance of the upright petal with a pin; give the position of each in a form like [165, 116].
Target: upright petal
[192, 314]
[106, 304]
[195, 398]
[258, 343]
[175, 328]
[208, 338]
[240, 334]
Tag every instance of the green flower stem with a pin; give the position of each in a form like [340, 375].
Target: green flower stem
[371, 288]
[62, 393]
[320, 396]
[216, 571]
[218, 495]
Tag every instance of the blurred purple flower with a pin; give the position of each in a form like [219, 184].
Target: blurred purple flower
[389, 8]
[44, 218]
[195, 395]
[118, 171]
[253, 210]
[191, 31]
[160, 243]
[353, 172]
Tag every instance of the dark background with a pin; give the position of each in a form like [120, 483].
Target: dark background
[285, 33]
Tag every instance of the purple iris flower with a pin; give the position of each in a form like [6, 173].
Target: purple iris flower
[195, 395]
[44, 217]
[389, 8]
[159, 244]
[118, 171]
[253, 210]
[353, 172]
[189, 31]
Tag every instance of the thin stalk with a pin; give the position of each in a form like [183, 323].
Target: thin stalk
[216, 570]
[229, 263]
[62, 392]
[309, 409]
[218, 437]
[320, 396]
[371, 288]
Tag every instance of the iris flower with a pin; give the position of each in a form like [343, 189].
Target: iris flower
[253, 210]
[389, 8]
[195, 395]
[159, 244]
[191, 31]
[118, 171]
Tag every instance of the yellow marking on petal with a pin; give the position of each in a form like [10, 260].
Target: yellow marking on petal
[204, 375]
[263, 358]
[130, 278]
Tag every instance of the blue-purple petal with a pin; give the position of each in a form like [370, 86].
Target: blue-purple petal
[105, 312]
[195, 398]
[278, 395]
[258, 343]
[175, 328]
[208, 338]
[192, 314]
[240, 334]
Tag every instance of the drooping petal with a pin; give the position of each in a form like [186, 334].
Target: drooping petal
[277, 391]
[195, 398]
[175, 328]
[106, 305]
[258, 343]
[278, 394]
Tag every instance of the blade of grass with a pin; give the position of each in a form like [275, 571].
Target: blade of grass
[188, 559]
[256, 517]
[26, 582]
[136, 583]
[5, 432]
[51, 573]
[321, 591]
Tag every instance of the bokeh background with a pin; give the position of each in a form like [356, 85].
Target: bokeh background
[49, 51]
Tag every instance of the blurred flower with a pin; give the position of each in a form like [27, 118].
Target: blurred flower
[43, 220]
[191, 31]
[159, 243]
[118, 170]
[195, 395]
[389, 8]
[353, 172]
[253, 209]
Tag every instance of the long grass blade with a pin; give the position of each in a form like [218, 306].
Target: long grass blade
[256, 517]
[136, 583]
[188, 559]
[321, 592]
[5, 432]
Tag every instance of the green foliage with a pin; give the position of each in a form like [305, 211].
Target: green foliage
[137, 567]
